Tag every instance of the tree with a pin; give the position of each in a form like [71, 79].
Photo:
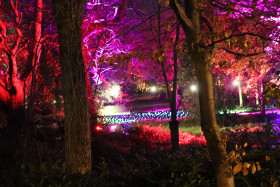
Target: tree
[171, 93]
[157, 49]
[249, 71]
[11, 88]
[202, 39]
[17, 42]
[69, 16]
[104, 38]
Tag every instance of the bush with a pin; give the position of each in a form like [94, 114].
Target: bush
[141, 156]
[48, 175]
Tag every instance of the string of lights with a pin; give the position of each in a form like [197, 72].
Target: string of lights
[134, 117]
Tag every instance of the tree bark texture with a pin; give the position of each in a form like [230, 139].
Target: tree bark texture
[210, 128]
[68, 15]
[201, 58]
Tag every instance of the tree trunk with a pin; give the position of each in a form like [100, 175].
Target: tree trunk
[210, 128]
[171, 95]
[36, 54]
[263, 117]
[201, 58]
[68, 15]
[174, 124]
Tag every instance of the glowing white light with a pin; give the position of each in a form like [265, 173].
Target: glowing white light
[112, 110]
[236, 82]
[113, 128]
[115, 91]
[153, 89]
[54, 101]
[193, 88]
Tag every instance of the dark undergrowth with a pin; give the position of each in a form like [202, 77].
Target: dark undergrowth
[130, 159]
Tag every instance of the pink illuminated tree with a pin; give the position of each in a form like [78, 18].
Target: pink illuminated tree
[251, 71]
[101, 40]
[16, 80]
[11, 86]
[105, 38]
[163, 36]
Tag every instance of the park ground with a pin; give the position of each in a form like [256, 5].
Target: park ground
[139, 154]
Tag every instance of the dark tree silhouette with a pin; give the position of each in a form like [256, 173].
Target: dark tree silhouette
[69, 16]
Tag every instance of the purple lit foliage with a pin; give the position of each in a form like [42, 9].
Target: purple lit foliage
[235, 9]
[112, 37]
[103, 37]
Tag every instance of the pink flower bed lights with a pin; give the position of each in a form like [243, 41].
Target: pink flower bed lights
[157, 134]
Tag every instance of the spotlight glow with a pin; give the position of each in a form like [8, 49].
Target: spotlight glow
[153, 89]
[236, 82]
[193, 88]
[115, 91]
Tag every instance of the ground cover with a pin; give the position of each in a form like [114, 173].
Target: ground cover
[141, 155]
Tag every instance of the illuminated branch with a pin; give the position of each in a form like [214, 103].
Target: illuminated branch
[206, 21]
[38, 42]
[240, 35]
[2, 84]
[17, 21]
[209, 26]
[3, 44]
[241, 54]
[107, 44]
[186, 23]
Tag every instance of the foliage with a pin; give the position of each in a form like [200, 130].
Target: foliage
[272, 94]
[159, 135]
[136, 157]
[190, 125]
[49, 175]
[251, 150]
[140, 160]
[251, 137]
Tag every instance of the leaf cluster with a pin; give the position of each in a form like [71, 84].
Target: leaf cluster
[271, 94]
